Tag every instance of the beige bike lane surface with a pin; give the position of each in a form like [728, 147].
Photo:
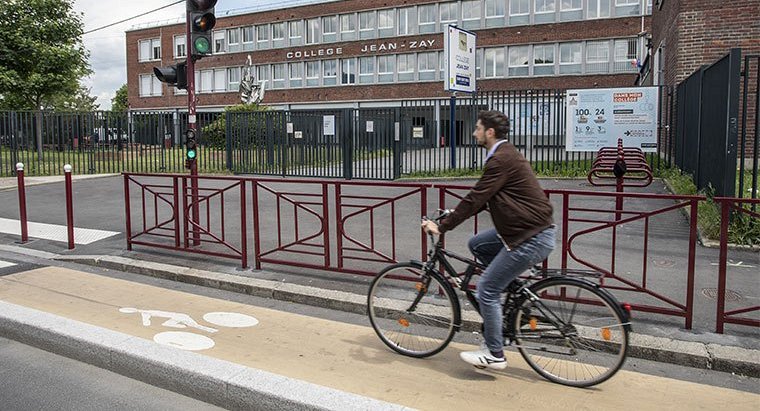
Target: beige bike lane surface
[343, 356]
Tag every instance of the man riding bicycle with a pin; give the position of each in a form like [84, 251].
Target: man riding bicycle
[524, 232]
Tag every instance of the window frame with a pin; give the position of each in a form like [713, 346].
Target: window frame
[176, 45]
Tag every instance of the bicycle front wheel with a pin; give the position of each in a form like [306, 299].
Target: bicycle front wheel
[573, 334]
[414, 312]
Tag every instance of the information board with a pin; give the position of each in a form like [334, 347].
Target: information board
[597, 118]
[459, 49]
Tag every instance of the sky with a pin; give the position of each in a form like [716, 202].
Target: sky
[108, 48]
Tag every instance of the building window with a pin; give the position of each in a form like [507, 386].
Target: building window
[206, 83]
[494, 13]
[329, 72]
[247, 34]
[348, 71]
[385, 19]
[150, 86]
[329, 28]
[519, 12]
[278, 31]
[448, 13]
[312, 31]
[494, 62]
[367, 25]
[518, 60]
[570, 58]
[262, 36]
[296, 74]
[220, 80]
[471, 14]
[366, 70]
[278, 75]
[262, 75]
[570, 10]
[312, 73]
[233, 78]
[233, 40]
[219, 42]
[406, 21]
[479, 59]
[426, 18]
[180, 47]
[627, 8]
[545, 11]
[150, 50]
[386, 66]
[295, 31]
[406, 67]
[426, 65]
[598, 9]
[543, 60]
[347, 27]
[597, 56]
[621, 3]
[626, 55]
[442, 65]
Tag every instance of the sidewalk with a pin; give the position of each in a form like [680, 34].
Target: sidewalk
[10, 183]
[252, 357]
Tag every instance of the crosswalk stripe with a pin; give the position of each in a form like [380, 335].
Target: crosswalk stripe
[4, 264]
[55, 232]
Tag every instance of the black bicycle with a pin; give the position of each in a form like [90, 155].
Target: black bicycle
[568, 329]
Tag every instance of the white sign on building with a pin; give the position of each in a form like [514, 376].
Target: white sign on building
[597, 118]
[459, 49]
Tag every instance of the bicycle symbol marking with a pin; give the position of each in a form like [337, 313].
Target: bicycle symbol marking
[187, 340]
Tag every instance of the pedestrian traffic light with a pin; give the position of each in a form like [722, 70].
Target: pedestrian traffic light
[202, 20]
[175, 75]
[191, 146]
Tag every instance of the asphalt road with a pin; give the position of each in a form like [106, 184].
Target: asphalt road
[34, 379]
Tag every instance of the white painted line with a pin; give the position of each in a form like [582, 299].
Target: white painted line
[55, 232]
[4, 264]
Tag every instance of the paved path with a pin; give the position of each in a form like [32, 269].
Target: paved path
[344, 357]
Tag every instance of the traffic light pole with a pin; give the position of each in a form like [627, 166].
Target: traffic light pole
[192, 126]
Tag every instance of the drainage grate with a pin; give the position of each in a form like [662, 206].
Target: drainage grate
[712, 293]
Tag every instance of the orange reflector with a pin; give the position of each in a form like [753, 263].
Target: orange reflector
[606, 334]
[403, 322]
[533, 324]
[420, 287]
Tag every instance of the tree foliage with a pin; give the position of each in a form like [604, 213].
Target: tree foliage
[42, 57]
[215, 134]
[79, 101]
[119, 102]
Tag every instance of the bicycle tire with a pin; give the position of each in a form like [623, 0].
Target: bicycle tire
[593, 343]
[420, 332]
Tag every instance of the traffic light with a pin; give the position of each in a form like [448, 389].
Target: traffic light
[191, 147]
[175, 75]
[202, 20]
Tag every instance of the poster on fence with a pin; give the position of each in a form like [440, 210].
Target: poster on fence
[597, 118]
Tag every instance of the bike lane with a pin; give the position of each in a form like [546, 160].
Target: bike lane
[333, 354]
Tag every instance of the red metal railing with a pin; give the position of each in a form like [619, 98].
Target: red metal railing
[737, 315]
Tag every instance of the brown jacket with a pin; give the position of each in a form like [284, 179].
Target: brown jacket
[519, 208]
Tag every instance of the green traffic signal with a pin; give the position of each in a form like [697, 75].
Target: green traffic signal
[191, 154]
[202, 45]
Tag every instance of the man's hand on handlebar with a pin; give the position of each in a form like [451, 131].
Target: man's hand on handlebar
[430, 227]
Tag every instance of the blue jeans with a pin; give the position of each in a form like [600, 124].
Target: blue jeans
[504, 265]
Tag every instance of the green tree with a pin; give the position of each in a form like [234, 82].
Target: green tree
[42, 56]
[215, 134]
[79, 101]
[119, 102]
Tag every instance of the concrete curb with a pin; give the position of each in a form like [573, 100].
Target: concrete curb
[736, 360]
[219, 382]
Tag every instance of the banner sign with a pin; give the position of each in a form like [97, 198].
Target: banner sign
[459, 49]
[597, 118]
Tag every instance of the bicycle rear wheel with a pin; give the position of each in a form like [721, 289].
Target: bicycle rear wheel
[413, 311]
[574, 334]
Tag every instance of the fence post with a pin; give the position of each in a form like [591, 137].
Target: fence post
[724, 217]
[22, 202]
[69, 206]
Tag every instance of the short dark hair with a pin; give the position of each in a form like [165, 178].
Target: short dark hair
[496, 120]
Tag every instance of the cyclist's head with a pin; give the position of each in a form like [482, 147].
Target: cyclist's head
[495, 120]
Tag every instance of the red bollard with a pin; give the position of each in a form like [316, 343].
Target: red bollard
[22, 202]
[69, 206]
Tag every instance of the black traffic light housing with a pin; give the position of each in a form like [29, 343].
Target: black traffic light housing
[191, 147]
[175, 75]
[202, 21]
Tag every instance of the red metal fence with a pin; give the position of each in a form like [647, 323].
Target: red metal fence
[358, 228]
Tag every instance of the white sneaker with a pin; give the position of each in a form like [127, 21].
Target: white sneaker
[482, 358]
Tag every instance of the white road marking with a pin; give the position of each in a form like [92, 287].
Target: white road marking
[184, 341]
[4, 264]
[55, 232]
[231, 320]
